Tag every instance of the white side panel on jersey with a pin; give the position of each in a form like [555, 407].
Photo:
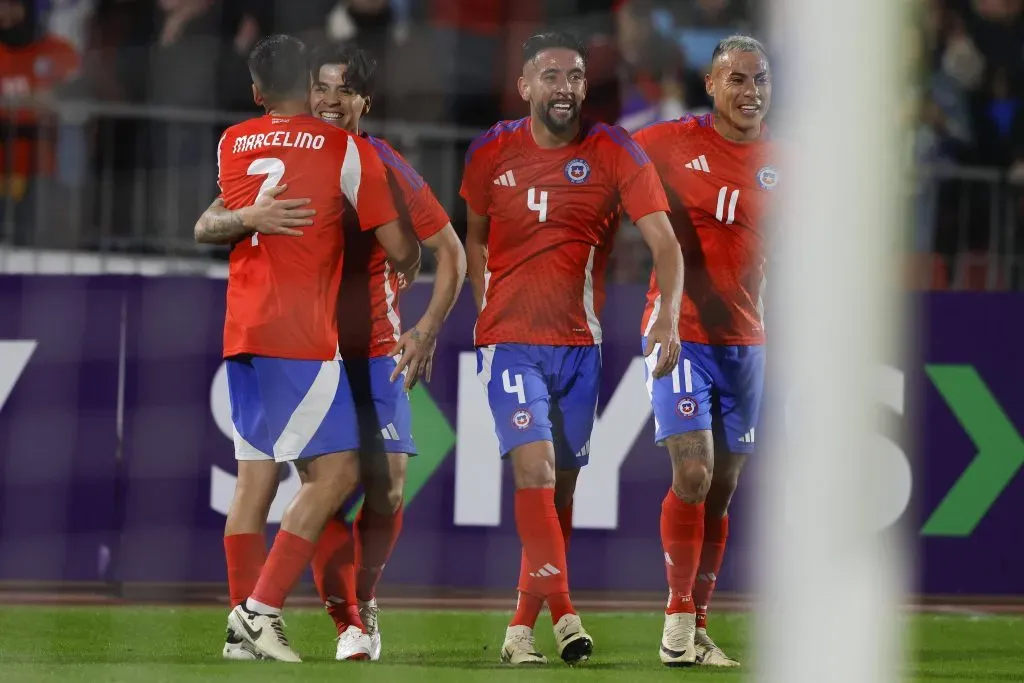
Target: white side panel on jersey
[831, 579]
[593, 322]
[654, 315]
[389, 301]
[351, 173]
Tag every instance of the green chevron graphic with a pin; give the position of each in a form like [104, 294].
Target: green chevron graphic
[434, 441]
[1000, 451]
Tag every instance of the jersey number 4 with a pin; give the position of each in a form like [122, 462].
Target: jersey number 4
[541, 207]
[274, 170]
[721, 213]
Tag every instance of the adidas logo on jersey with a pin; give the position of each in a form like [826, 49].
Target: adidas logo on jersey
[748, 437]
[698, 164]
[506, 179]
[390, 433]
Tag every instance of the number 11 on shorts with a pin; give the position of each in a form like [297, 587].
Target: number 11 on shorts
[687, 378]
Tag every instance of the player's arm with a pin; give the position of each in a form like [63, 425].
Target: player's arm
[268, 216]
[477, 230]
[476, 190]
[416, 345]
[644, 199]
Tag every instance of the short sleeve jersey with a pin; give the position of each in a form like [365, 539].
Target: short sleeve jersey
[553, 217]
[283, 290]
[719, 191]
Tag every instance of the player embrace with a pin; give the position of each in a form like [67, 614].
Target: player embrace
[290, 396]
[544, 196]
[718, 174]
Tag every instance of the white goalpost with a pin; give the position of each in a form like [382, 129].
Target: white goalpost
[832, 582]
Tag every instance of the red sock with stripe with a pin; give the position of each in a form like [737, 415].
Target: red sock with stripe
[682, 531]
[716, 532]
[541, 536]
[530, 603]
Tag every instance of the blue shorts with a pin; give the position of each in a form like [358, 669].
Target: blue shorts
[285, 409]
[713, 387]
[384, 412]
[543, 393]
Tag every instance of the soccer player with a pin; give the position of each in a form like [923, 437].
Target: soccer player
[341, 94]
[544, 196]
[290, 396]
[718, 173]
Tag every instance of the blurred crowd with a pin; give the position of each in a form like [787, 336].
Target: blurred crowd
[134, 180]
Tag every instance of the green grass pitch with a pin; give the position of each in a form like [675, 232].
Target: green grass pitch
[158, 644]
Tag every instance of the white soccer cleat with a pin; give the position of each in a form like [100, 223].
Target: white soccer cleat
[265, 632]
[368, 613]
[574, 644]
[677, 640]
[519, 647]
[353, 645]
[709, 654]
[236, 649]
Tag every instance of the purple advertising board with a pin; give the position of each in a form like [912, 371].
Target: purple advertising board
[117, 458]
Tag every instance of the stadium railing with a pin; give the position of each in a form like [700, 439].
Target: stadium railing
[127, 181]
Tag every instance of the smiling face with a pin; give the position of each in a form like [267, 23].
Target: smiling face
[555, 85]
[335, 101]
[741, 87]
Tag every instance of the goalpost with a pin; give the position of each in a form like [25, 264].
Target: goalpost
[832, 582]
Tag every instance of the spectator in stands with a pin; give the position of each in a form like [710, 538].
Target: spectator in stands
[33, 63]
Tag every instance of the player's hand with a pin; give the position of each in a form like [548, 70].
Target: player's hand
[407, 277]
[664, 336]
[273, 216]
[415, 352]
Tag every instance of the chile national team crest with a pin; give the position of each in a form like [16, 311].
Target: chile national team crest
[767, 177]
[522, 419]
[686, 407]
[577, 171]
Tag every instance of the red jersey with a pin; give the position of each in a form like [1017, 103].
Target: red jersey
[553, 217]
[369, 286]
[719, 191]
[282, 290]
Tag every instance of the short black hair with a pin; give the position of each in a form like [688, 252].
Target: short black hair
[552, 40]
[360, 66]
[278, 66]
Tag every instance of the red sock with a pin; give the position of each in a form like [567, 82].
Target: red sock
[529, 604]
[376, 535]
[541, 535]
[334, 573]
[245, 555]
[288, 558]
[682, 530]
[716, 531]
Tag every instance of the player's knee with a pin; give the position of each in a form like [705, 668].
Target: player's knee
[723, 486]
[385, 497]
[692, 465]
[534, 465]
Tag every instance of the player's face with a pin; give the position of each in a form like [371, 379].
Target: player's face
[334, 102]
[740, 83]
[12, 13]
[554, 84]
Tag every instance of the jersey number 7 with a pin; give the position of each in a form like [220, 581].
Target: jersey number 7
[274, 170]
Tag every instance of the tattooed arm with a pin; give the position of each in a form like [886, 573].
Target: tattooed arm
[268, 216]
